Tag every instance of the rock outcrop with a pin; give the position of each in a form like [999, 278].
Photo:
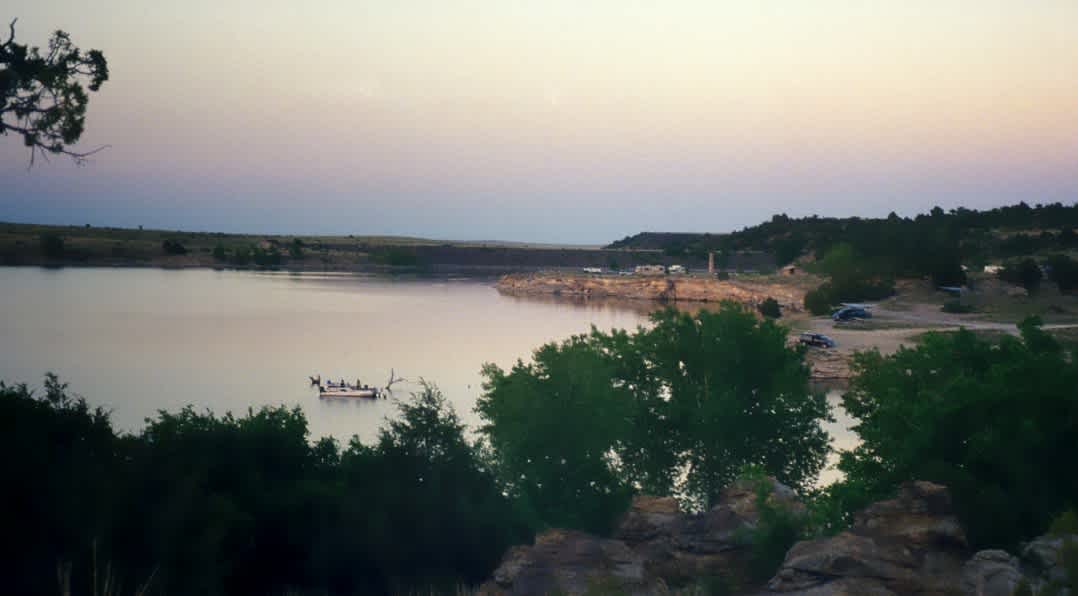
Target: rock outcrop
[656, 547]
[680, 548]
[912, 544]
[789, 295]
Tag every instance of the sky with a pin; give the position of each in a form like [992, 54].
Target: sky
[561, 121]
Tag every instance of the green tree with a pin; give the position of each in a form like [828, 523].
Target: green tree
[173, 247]
[1025, 273]
[819, 301]
[52, 246]
[675, 409]
[219, 253]
[738, 396]
[295, 249]
[42, 93]
[971, 415]
[553, 425]
[770, 308]
[1064, 271]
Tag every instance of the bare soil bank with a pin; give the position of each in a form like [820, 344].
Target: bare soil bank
[750, 290]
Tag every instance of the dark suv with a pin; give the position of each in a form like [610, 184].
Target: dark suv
[850, 312]
[817, 340]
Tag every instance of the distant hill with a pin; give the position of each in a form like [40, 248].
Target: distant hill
[895, 245]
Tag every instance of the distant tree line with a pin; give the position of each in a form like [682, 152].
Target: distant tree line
[933, 245]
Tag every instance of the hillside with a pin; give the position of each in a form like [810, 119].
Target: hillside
[901, 246]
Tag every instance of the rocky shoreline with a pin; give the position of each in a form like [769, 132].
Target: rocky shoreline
[662, 288]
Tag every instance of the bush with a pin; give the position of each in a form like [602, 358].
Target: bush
[219, 253]
[818, 301]
[52, 246]
[1064, 271]
[1025, 273]
[295, 249]
[770, 308]
[173, 247]
[957, 307]
[776, 531]
[722, 276]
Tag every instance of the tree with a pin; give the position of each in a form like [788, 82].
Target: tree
[770, 308]
[1025, 273]
[738, 396]
[42, 93]
[295, 249]
[52, 246]
[173, 247]
[553, 425]
[1064, 271]
[963, 412]
[678, 408]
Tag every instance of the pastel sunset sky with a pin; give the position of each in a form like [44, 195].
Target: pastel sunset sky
[569, 121]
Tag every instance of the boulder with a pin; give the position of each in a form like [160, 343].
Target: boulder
[1043, 558]
[571, 562]
[991, 573]
[912, 544]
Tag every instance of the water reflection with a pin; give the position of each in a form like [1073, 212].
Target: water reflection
[640, 307]
[140, 340]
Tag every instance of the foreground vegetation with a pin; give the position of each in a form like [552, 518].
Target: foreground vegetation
[197, 503]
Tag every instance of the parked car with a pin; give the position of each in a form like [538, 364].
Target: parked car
[817, 340]
[850, 312]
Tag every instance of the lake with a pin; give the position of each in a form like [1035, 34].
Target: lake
[141, 340]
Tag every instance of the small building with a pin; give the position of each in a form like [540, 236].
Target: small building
[678, 269]
[649, 270]
[593, 270]
[789, 270]
[993, 269]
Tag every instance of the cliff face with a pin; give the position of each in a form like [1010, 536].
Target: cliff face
[790, 296]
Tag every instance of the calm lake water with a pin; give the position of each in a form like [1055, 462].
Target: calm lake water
[141, 340]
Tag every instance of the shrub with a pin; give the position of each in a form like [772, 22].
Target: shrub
[818, 301]
[295, 250]
[1025, 273]
[219, 253]
[173, 247]
[722, 276]
[770, 308]
[777, 529]
[1064, 271]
